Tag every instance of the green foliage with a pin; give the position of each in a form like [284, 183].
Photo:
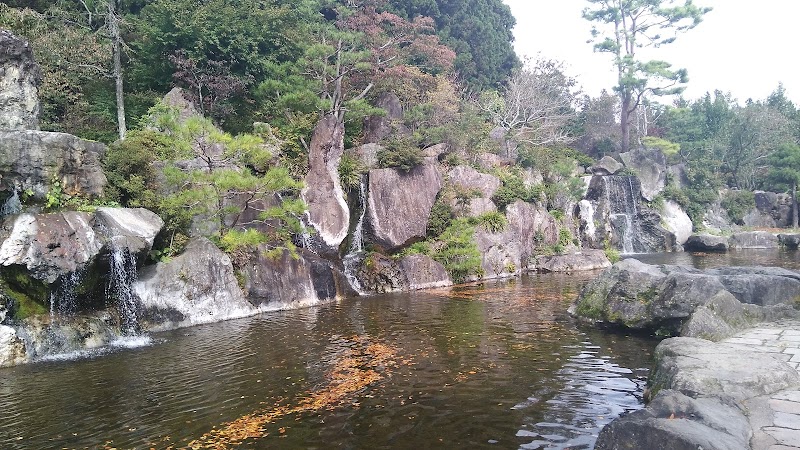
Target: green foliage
[670, 149]
[564, 237]
[612, 254]
[400, 154]
[738, 204]
[512, 189]
[441, 216]
[417, 248]
[457, 251]
[350, 172]
[493, 221]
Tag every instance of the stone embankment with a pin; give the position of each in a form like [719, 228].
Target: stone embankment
[740, 393]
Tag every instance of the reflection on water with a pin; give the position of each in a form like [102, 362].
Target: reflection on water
[494, 365]
[788, 259]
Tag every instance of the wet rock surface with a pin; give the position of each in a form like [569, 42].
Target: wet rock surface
[19, 80]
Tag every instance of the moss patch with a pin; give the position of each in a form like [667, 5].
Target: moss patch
[29, 296]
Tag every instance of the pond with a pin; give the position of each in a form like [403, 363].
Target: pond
[493, 365]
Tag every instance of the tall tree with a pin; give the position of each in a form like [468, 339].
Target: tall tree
[622, 28]
[785, 171]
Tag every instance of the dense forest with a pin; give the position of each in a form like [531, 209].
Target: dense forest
[265, 71]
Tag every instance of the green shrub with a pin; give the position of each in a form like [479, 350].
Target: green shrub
[458, 252]
[350, 171]
[441, 216]
[564, 237]
[738, 204]
[611, 253]
[400, 154]
[492, 221]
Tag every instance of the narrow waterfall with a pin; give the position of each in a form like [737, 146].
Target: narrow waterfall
[355, 254]
[64, 299]
[622, 200]
[119, 287]
[12, 205]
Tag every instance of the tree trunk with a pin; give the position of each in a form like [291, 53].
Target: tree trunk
[116, 42]
[794, 205]
[625, 122]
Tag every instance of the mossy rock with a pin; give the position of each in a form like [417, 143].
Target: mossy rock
[26, 295]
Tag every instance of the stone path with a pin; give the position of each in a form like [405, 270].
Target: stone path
[777, 425]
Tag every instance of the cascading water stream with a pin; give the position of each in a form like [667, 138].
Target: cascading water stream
[353, 258]
[121, 276]
[622, 204]
[64, 299]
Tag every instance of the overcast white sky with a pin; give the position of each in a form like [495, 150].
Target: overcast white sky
[743, 47]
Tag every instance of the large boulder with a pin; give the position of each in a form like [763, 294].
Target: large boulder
[12, 348]
[650, 166]
[423, 272]
[674, 421]
[586, 259]
[381, 274]
[198, 286]
[666, 298]
[290, 282]
[367, 154]
[328, 212]
[509, 251]
[19, 80]
[399, 204]
[705, 242]
[753, 239]
[789, 240]
[50, 246]
[771, 211]
[483, 185]
[606, 166]
[33, 160]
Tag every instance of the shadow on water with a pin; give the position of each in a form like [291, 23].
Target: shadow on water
[496, 365]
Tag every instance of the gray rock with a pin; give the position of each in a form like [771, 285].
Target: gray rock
[423, 272]
[705, 242]
[288, 282]
[328, 212]
[586, 259]
[470, 179]
[436, 151]
[381, 274]
[12, 348]
[31, 160]
[789, 240]
[697, 367]
[650, 166]
[478, 206]
[53, 245]
[679, 175]
[399, 204]
[177, 99]
[674, 421]
[19, 81]
[198, 286]
[753, 239]
[675, 299]
[377, 128]
[509, 251]
[771, 211]
[606, 166]
[367, 154]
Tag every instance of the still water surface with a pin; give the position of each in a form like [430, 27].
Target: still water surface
[497, 365]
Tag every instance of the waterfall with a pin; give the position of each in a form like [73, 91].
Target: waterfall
[64, 299]
[621, 198]
[12, 205]
[121, 276]
[355, 255]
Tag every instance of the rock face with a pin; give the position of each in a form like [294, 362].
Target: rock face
[287, 282]
[399, 204]
[32, 160]
[198, 286]
[612, 212]
[584, 260]
[19, 78]
[381, 274]
[367, 154]
[650, 166]
[422, 272]
[705, 242]
[328, 212]
[507, 252]
[483, 185]
[666, 298]
[772, 211]
[789, 240]
[12, 349]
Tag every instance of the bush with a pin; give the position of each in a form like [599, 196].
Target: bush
[400, 154]
[492, 221]
[441, 216]
[350, 171]
[738, 204]
[458, 252]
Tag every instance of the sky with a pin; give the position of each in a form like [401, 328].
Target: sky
[742, 47]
